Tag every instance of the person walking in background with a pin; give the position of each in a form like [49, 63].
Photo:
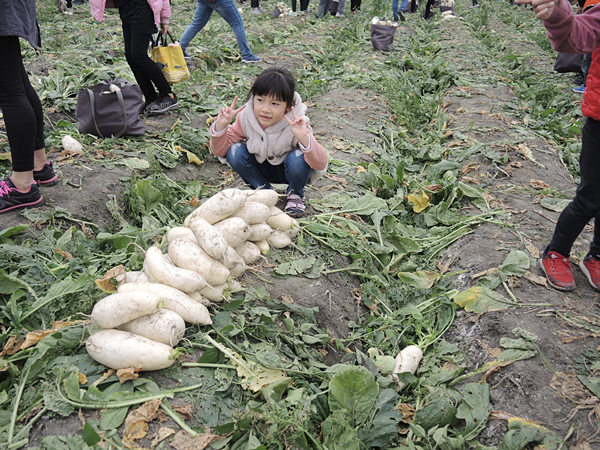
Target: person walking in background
[22, 110]
[570, 33]
[303, 6]
[399, 15]
[228, 11]
[256, 9]
[140, 20]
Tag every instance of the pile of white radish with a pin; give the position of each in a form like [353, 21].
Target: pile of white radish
[146, 318]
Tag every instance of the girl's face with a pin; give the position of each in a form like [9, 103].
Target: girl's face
[268, 110]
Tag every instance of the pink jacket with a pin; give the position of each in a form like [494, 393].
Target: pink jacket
[570, 33]
[161, 9]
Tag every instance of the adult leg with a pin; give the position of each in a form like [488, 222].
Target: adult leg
[294, 5]
[304, 5]
[229, 12]
[201, 18]
[143, 63]
[342, 7]
[355, 5]
[141, 77]
[322, 8]
[246, 166]
[429, 7]
[586, 204]
[403, 5]
[395, 9]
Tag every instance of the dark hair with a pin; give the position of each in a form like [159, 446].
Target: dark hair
[276, 82]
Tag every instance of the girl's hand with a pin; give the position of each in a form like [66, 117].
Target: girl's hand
[299, 128]
[226, 115]
[164, 28]
[543, 8]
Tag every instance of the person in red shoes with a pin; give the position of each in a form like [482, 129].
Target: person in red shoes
[570, 33]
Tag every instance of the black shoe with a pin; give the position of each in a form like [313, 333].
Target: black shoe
[12, 199]
[163, 104]
[144, 107]
[46, 176]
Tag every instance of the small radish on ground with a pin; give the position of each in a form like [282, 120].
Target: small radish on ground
[278, 220]
[263, 246]
[249, 252]
[407, 361]
[118, 349]
[164, 326]
[279, 239]
[116, 309]
[259, 232]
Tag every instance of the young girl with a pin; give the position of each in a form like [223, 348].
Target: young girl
[569, 33]
[271, 140]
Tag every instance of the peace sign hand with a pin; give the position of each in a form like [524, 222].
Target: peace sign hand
[299, 127]
[226, 115]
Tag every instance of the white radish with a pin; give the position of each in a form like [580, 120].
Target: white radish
[214, 294]
[135, 276]
[234, 229]
[279, 220]
[279, 239]
[197, 297]
[238, 270]
[208, 237]
[253, 213]
[182, 232]
[119, 308]
[174, 300]
[259, 232]
[263, 246]
[265, 196]
[249, 252]
[190, 256]
[221, 205]
[71, 144]
[294, 230]
[164, 326]
[407, 361]
[147, 272]
[167, 273]
[231, 258]
[121, 350]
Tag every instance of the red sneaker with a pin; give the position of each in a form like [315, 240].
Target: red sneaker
[590, 267]
[558, 271]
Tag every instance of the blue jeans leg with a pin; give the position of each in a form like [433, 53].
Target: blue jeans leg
[229, 12]
[201, 17]
[297, 172]
[395, 9]
[342, 6]
[246, 166]
[322, 8]
[403, 5]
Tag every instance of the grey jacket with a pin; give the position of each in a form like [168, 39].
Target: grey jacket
[19, 18]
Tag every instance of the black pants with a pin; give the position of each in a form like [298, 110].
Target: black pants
[137, 33]
[355, 5]
[254, 4]
[303, 5]
[586, 204]
[20, 105]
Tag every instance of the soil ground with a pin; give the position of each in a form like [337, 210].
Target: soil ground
[339, 118]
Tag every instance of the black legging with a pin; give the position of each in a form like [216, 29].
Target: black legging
[303, 5]
[20, 105]
[586, 204]
[145, 71]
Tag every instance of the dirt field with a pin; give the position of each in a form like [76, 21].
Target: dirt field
[539, 388]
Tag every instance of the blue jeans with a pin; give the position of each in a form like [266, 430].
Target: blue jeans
[395, 7]
[294, 170]
[228, 11]
[322, 8]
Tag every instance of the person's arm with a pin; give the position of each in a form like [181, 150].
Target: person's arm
[220, 141]
[165, 14]
[314, 153]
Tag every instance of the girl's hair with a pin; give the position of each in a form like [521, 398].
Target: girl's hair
[276, 82]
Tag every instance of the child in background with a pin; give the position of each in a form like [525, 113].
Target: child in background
[271, 140]
[569, 33]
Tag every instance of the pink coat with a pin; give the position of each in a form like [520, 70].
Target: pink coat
[161, 9]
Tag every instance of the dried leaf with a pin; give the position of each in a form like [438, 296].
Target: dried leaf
[131, 373]
[285, 298]
[493, 352]
[163, 433]
[12, 346]
[108, 283]
[82, 378]
[568, 386]
[532, 249]
[64, 254]
[407, 411]
[185, 411]
[537, 279]
[360, 169]
[183, 441]
[103, 377]
[34, 337]
[136, 423]
[538, 184]
[500, 415]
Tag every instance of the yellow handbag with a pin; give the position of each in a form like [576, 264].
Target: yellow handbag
[169, 58]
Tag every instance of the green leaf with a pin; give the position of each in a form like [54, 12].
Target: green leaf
[479, 299]
[338, 434]
[113, 418]
[592, 383]
[555, 204]
[296, 266]
[148, 194]
[440, 410]
[364, 206]
[355, 390]
[420, 279]
[13, 231]
[523, 432]
[474, 195]
[474, 409]
[516, 263]
[383, 427]
[90, 436]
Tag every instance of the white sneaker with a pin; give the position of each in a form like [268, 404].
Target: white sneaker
[69, 12]
[339, 15]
